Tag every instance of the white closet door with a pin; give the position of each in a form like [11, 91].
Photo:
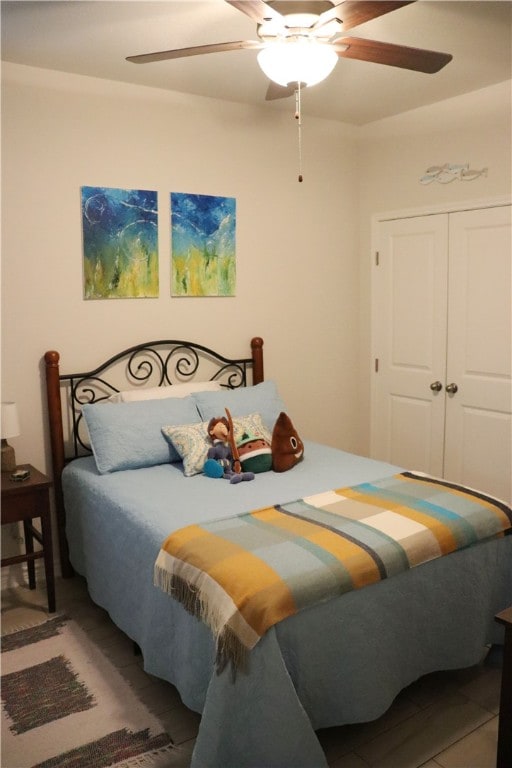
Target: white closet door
[409, 332]
[478, 416]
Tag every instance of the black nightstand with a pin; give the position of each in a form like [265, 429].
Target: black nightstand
[21, 502]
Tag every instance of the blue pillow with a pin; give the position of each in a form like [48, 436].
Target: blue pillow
[262, 398]
[129, 435]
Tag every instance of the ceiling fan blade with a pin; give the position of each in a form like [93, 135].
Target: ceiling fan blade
[416, 59]
[196, 50]
[257, 10]
[351, 13]
[276, 91]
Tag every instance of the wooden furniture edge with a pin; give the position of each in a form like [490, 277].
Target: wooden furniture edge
[504, 747]
[51, 359]
[22, 502]
[257, 360]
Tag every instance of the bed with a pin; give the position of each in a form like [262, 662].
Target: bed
[338, 660]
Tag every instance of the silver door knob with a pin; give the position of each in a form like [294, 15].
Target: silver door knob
[451, 388]
[436, 386]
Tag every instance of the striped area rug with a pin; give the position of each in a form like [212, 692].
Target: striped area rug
[64, 705]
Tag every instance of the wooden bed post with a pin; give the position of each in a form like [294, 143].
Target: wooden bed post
[51, 359]
[257, 360]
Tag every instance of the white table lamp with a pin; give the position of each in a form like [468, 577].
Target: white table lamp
[10, 427]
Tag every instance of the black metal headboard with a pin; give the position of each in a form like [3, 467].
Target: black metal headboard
[151, 364]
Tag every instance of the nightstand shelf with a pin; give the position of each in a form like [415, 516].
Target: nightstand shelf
[22, 502]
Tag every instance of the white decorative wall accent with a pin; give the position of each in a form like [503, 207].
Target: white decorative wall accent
[446, 173]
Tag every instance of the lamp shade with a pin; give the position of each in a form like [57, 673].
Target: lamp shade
[297, 61]
[10, 426]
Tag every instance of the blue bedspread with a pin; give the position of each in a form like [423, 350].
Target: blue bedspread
[393, 631]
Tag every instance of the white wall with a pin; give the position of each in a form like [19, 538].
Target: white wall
[303, 250]
[394, 153]
[297, 258]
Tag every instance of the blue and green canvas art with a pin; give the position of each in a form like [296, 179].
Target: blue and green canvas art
[120, 243]
[203, 229]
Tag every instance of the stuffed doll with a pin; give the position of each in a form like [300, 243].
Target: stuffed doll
[255, 453]
[287, 447]
[219, 462]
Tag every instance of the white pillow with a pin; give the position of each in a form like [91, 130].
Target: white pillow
[158, 393]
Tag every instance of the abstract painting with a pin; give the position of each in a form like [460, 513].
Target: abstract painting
[120, 243]
[203, 229]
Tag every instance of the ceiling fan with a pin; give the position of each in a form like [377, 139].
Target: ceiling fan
[300, 41]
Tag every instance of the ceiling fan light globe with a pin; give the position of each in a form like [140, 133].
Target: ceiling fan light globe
[300, 19]
[297, 61]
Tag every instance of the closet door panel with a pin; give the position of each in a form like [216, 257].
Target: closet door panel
[478, 446]
[409, 332]
[471, 463]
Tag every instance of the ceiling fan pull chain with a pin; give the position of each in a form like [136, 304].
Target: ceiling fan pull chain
[298, 117]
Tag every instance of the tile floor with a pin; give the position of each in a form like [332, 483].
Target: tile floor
[444, 720]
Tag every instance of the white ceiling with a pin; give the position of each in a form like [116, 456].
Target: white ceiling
[93, 38]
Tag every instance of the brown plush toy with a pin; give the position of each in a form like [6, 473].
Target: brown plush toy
[287, 447]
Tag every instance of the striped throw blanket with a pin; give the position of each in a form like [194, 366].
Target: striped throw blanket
[243, 574]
